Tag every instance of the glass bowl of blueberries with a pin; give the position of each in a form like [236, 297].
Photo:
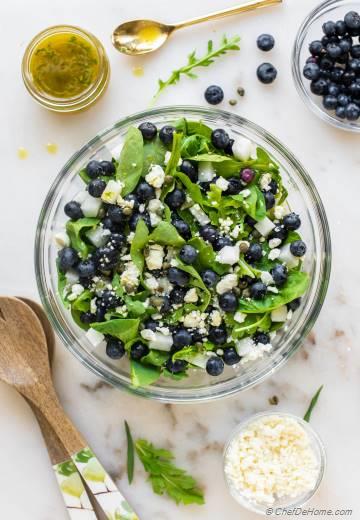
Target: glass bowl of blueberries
[326, 63]
[175, 322]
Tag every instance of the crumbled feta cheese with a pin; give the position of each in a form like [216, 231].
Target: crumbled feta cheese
[95, 337]
[76, 290]
[239, 317]
[156, 176]
[152, 283]
[141, 208]
[199, 215]
[93, 307]
[148, 334]
[227, 282]
[161, 342]
[71, 276]
[130, 277]
[266, 278]
[264, 182]
[274, 242]
[272, 289]
[164, 330]
[195, 319]
[130, 237]
[242, 148]
[274, 254]
[245, 193]
[191, 296]
[98, 236]
[168, 156]
[126, 205]
[206, 172]
[279, 315]
[154, 259]
[222, 183]
[265, 226]
[279, 212]
[248, 350]
[235, 232]
[91, 206]
[229, 255]
[287, 257]
[156, 208]
[225, 224]
[216, 318]
[112, 191]
[62, 239]
[164, 285]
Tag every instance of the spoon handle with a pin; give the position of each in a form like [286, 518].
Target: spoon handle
[248, 6]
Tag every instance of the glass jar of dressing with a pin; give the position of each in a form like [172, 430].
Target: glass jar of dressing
[65, 68]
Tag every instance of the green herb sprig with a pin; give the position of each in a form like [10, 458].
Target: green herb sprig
[226, 44]
[130, 453]
[312, 405]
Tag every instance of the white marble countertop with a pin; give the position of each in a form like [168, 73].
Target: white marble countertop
[196, 433]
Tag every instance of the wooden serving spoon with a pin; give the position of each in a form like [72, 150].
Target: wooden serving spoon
[24, 364]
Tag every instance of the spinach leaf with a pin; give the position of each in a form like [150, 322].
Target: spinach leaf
[82, 302]
[143, 375]
[155, 357]
[138, 243]
[252, 323]
[130, 164]
[295, 286]
[186, 354]
[153, 153]
[206, 257]
[76, 317]
[196, 282]
[192, 189]
[253, 204]
[135, 307]
[175, 155]
[123, 329]
[75, 228]
[176, 377]
[194, 145]
[166, 235]
[61, 285]
[291, 237]
[193, 127]
[224, 165]
[213, 199]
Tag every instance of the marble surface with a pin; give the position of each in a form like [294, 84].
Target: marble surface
[196, 433]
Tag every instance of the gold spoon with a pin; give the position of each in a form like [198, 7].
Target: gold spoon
[143, 36]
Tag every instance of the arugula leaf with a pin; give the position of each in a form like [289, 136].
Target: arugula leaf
[122, 328]
[192, 189]
[143, 375]
[82, 302]
[153, 153]
[135, 308]
[130, 453]
[155, 357]
[254, 204]
[194, 145]
[61, 285]
[186, 353]
[175, 155]
[196, 282]
[130, 164]
[165, 477]
[166, 235]
[138, 243]
[312, 405]
[206, 257]
[295, 286]
[252, 323]
[226, 45]
[192, 128]
[223, 164]
[291, 237]
[75, 228]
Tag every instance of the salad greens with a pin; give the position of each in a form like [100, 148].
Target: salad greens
[130, 453]
[312, 404]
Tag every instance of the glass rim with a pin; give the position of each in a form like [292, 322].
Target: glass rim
[83, 100]
[183, 395]
[296, 69]
[313, 435]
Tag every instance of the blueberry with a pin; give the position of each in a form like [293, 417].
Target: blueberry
[176, 366]
[345, 45]
[298, 248]
[319, 87]
[107, 223]
[86, 268]
[214, 366]
[217, 335]
[175, 199]
[340, 112]
[254, 253]
[190, 169]
[266, 73]
[269, 199]
[177, 295]
[94, 169]
[234, 186]
[182, 228]
[352, 20]
[116, 240]
[279, 231]
[108, 300]
[166, 134]
[354, 90]
[68, 258]
[196, 336]
[115, 348]
[247, 175]
[326, 63]
[228, 149]
[166, 305]
[340, 27]
[292, 221]
[220, 139]
[148, 130]
[329, 28]
[151, 324]
[352, 112]
[258, 290]
[311, 59]
[333, 50]
[108, 167]
[188, 254]
[178, 277]
[100, 314]
[330, 102]
[261, 337]
[279, 274]
[145, 192]
[221, 242]
[230, 356]
[209, 233]
[131, 197]
[135, 217]
[273, 185]
[96, 187]
[316, 48]
[181, 338]
[85, 282]
[73, 210]
[265, 42]
[325, 74]
[105, 258]
[214, 94]
[336, 75]
[115, 214]
[343, 100]
[348, 77]
[209, 277]
[228, 302]
[294, 304]
[87, 318]
[311, 71]
[138, 350]
[354, 65]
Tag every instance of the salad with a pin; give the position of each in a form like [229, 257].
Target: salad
[182, 253]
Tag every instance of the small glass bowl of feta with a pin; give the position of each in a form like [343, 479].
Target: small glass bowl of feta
[273, 462]
[286, 328]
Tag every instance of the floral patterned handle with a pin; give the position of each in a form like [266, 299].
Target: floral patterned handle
[102, 487]
[73, 491]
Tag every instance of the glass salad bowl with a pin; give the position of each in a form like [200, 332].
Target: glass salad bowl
[310, 30]
[199, 386]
